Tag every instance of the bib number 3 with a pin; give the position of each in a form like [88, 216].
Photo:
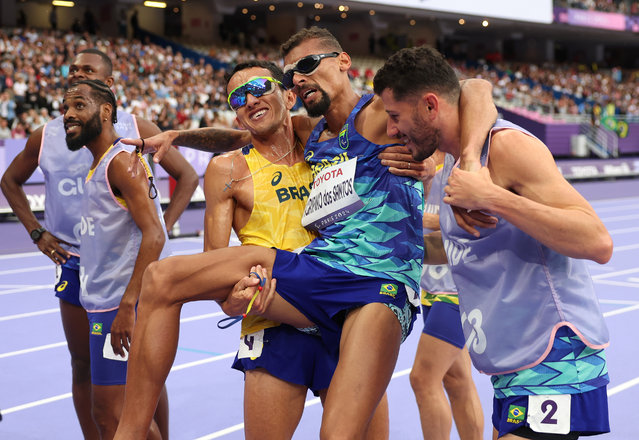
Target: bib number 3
[549, 414]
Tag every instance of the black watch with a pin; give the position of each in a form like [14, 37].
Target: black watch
[36, 234]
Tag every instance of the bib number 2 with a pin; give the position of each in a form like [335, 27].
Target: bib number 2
[549, 413]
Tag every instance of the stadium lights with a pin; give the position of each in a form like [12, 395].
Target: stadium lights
[150, 4]
[64, 3]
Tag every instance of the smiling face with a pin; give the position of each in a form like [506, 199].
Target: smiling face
[265, 114]
[405, 123]
[89, 66]
[314, 89]
[82, 121]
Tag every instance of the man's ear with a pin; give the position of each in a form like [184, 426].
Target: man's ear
[290, 98]
[428, 105]
[109, 81]
[344, 61]
[107, 112]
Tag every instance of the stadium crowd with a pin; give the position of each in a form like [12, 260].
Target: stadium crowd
[175, 92]
[627, 7]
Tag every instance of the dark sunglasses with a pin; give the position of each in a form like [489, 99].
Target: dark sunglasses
[305, 66]
[257, 87]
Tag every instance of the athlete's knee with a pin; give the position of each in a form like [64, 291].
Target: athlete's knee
[458, 382]
[105, 416]
[156, 284]
[421, 381]
[81, 369]
[338, 433]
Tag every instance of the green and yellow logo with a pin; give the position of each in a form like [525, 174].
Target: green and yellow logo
[388, 289]
[516, 414]
[96, 329]
[343, 137]
[62, 286]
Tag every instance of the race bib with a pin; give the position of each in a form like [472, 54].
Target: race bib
[251, 345]
[332, 197]
[549, 414]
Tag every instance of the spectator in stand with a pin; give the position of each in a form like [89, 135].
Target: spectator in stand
[5, 131]
[19, 131]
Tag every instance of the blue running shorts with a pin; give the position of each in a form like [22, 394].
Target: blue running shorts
[443, 321]
[67, 281]
[557, 416]
[288, 354]
[107, 368]
[325, 295]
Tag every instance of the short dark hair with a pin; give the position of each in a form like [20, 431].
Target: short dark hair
[105, 59]
[102, 93]
[328, 40]
[416, 70]
[275, 70]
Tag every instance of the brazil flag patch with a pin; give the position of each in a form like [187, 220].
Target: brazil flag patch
[388, 289]
[516, 414]
[96, 329]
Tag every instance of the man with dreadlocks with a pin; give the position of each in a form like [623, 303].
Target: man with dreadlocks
[122, 231]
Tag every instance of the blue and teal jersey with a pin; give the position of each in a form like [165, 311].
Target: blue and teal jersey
[571, 367]
[383, 239]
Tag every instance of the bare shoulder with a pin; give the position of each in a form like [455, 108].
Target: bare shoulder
[371, 122]
[517, 158]
[227, 163]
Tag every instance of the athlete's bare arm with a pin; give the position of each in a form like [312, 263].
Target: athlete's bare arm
[211, 139]
[228, 202]
[16, 174]
[523, 185]
[478, 114]
[142, 209]
[178, 168]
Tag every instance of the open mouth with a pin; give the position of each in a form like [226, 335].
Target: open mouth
[258, 114]
[308, 94]
[72, 127]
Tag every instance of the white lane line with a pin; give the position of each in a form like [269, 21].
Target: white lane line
[617, 283]
[616, 273]
[26, 269]
[623, 387]
[620, 218]
[29, 314]
[623, 230]
[200, 317]
[628, 247]
[203, 361]
[63, 343]
[32, 349]
[617, 208]
[27, 289]
[310, 402]
[621, 310]
[618, 301]
[21, 255]
[68, 395]
[36, 403]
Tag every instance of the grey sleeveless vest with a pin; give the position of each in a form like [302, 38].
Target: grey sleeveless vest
[436, 278]
[110, 240]
[64, 173]
[514, 292]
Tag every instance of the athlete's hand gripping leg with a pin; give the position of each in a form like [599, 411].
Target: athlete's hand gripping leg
[370, 342]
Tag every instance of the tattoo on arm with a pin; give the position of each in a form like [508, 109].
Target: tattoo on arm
[211, 139]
